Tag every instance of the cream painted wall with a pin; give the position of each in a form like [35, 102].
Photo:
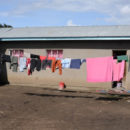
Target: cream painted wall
[71, 77]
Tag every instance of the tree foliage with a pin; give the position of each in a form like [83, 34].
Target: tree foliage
[5, 26]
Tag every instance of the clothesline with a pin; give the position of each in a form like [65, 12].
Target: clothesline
[99, 69]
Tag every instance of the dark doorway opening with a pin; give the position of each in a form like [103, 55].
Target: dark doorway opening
[115, 54]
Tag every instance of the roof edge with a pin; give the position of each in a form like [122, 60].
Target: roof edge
[63, 38]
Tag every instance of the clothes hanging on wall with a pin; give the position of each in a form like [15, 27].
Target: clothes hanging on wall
[32, 65]
[66, 63]
[38, 64]
[42, 58]
[28, 64]
[121, 58]
[99, 69]
[5, 58]
[83, 61]
[46, 63]
[118, 70]
[22, 63]
[75, 63]
[35, 56]
[14, 63]
[57, 64]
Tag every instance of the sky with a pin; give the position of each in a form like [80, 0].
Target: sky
[33, 13]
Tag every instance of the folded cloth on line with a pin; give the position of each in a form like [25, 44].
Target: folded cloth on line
[46, 63]
[99, 69]
[22, 63]
[121, 58]
[66, 63]
[35, 56]
[118, 70]
[75, 63]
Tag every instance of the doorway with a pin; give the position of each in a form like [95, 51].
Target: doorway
[116, 53]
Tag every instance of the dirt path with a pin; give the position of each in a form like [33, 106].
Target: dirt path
[30, 108]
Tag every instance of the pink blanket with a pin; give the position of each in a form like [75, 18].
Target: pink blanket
[118, 70]
[99, 69]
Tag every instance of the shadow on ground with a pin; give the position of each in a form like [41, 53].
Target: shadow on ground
[52, 95]
[98, 97]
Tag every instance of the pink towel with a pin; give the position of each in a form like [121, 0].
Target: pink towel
[99, 69]
[118, 70]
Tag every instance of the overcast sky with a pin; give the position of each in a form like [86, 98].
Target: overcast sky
[26, 13]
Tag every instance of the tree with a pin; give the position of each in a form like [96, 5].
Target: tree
[5, 26]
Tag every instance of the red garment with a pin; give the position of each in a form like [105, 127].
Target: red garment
[42, 58]
[28, 65]
[49, 58]
[28, 61]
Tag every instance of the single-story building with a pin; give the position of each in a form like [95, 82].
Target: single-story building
[71, 42]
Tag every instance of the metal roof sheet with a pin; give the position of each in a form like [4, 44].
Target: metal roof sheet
[66, 31]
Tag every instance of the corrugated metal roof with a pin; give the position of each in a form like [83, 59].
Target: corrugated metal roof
[66, 31]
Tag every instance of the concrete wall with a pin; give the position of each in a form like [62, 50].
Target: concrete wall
[73, 49]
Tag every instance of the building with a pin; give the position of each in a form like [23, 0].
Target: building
[72, 42]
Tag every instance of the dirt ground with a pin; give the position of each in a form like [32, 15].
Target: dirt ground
[33, 108]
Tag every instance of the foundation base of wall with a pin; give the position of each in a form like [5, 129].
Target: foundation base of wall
[74, 88]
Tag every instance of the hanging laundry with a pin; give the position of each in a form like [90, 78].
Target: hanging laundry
[22, 63]
[35, 56]
[118, 70]
[57, 64]
[5, 58]
[14, 63]
[121, 58]
[42, 58]
[28, 64]
[38, 64]
[51, 58]
[99, 69]
[75, 63]
[32, 65]
[27, 55]
[83, 61]
[47, 58]
[46, 63]
[66, 63]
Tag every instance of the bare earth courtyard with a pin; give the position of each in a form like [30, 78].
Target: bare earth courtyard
[33, 108]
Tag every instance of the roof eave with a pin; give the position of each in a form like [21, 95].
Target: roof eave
[63, 38]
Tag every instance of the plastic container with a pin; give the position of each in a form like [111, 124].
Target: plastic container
[61, 85]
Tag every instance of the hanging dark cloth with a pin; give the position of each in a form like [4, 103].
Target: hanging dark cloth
[5, 58]
[35, 56]
[33, 65]
[38, 65]
[46, 63]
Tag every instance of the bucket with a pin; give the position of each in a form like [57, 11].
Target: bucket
[61, 85]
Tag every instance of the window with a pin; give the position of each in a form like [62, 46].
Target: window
[55, 53]
[18, 53]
